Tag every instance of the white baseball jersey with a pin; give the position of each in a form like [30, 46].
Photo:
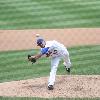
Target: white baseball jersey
[56, 48]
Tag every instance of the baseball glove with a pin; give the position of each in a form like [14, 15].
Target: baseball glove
[33, 60]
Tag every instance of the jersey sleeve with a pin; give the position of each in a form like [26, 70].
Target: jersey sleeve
[44, 50]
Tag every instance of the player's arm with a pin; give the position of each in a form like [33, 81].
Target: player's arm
[37, 56]
[33, 58]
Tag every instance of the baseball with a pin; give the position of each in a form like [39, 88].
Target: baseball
[37, 35]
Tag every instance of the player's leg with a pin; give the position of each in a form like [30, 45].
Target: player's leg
[54, 66]
[67, 62]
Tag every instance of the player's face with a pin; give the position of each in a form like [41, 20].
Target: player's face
[43, 44]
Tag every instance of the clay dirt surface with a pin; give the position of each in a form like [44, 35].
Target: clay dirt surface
[68, 86]
[26, 39]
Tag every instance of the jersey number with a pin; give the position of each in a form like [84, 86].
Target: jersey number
[55, 52]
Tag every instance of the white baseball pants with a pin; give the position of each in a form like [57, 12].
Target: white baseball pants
[54, 66]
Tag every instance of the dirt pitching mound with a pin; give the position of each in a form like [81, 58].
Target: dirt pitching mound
[69, 86]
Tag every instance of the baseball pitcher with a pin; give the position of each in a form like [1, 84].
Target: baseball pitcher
[56, 51]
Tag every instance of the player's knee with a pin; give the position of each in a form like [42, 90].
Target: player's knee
[68, 64]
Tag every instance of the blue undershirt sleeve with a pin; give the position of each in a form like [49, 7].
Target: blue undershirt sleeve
[44, 50]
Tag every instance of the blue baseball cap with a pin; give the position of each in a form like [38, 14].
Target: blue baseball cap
[39, 42]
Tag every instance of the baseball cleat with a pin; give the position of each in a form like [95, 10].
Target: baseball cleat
[50, 87]
[68, 70]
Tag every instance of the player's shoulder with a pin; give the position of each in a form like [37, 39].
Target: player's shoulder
[49, 43]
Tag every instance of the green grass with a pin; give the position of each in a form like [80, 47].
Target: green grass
[15, 66]
[29, 14]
